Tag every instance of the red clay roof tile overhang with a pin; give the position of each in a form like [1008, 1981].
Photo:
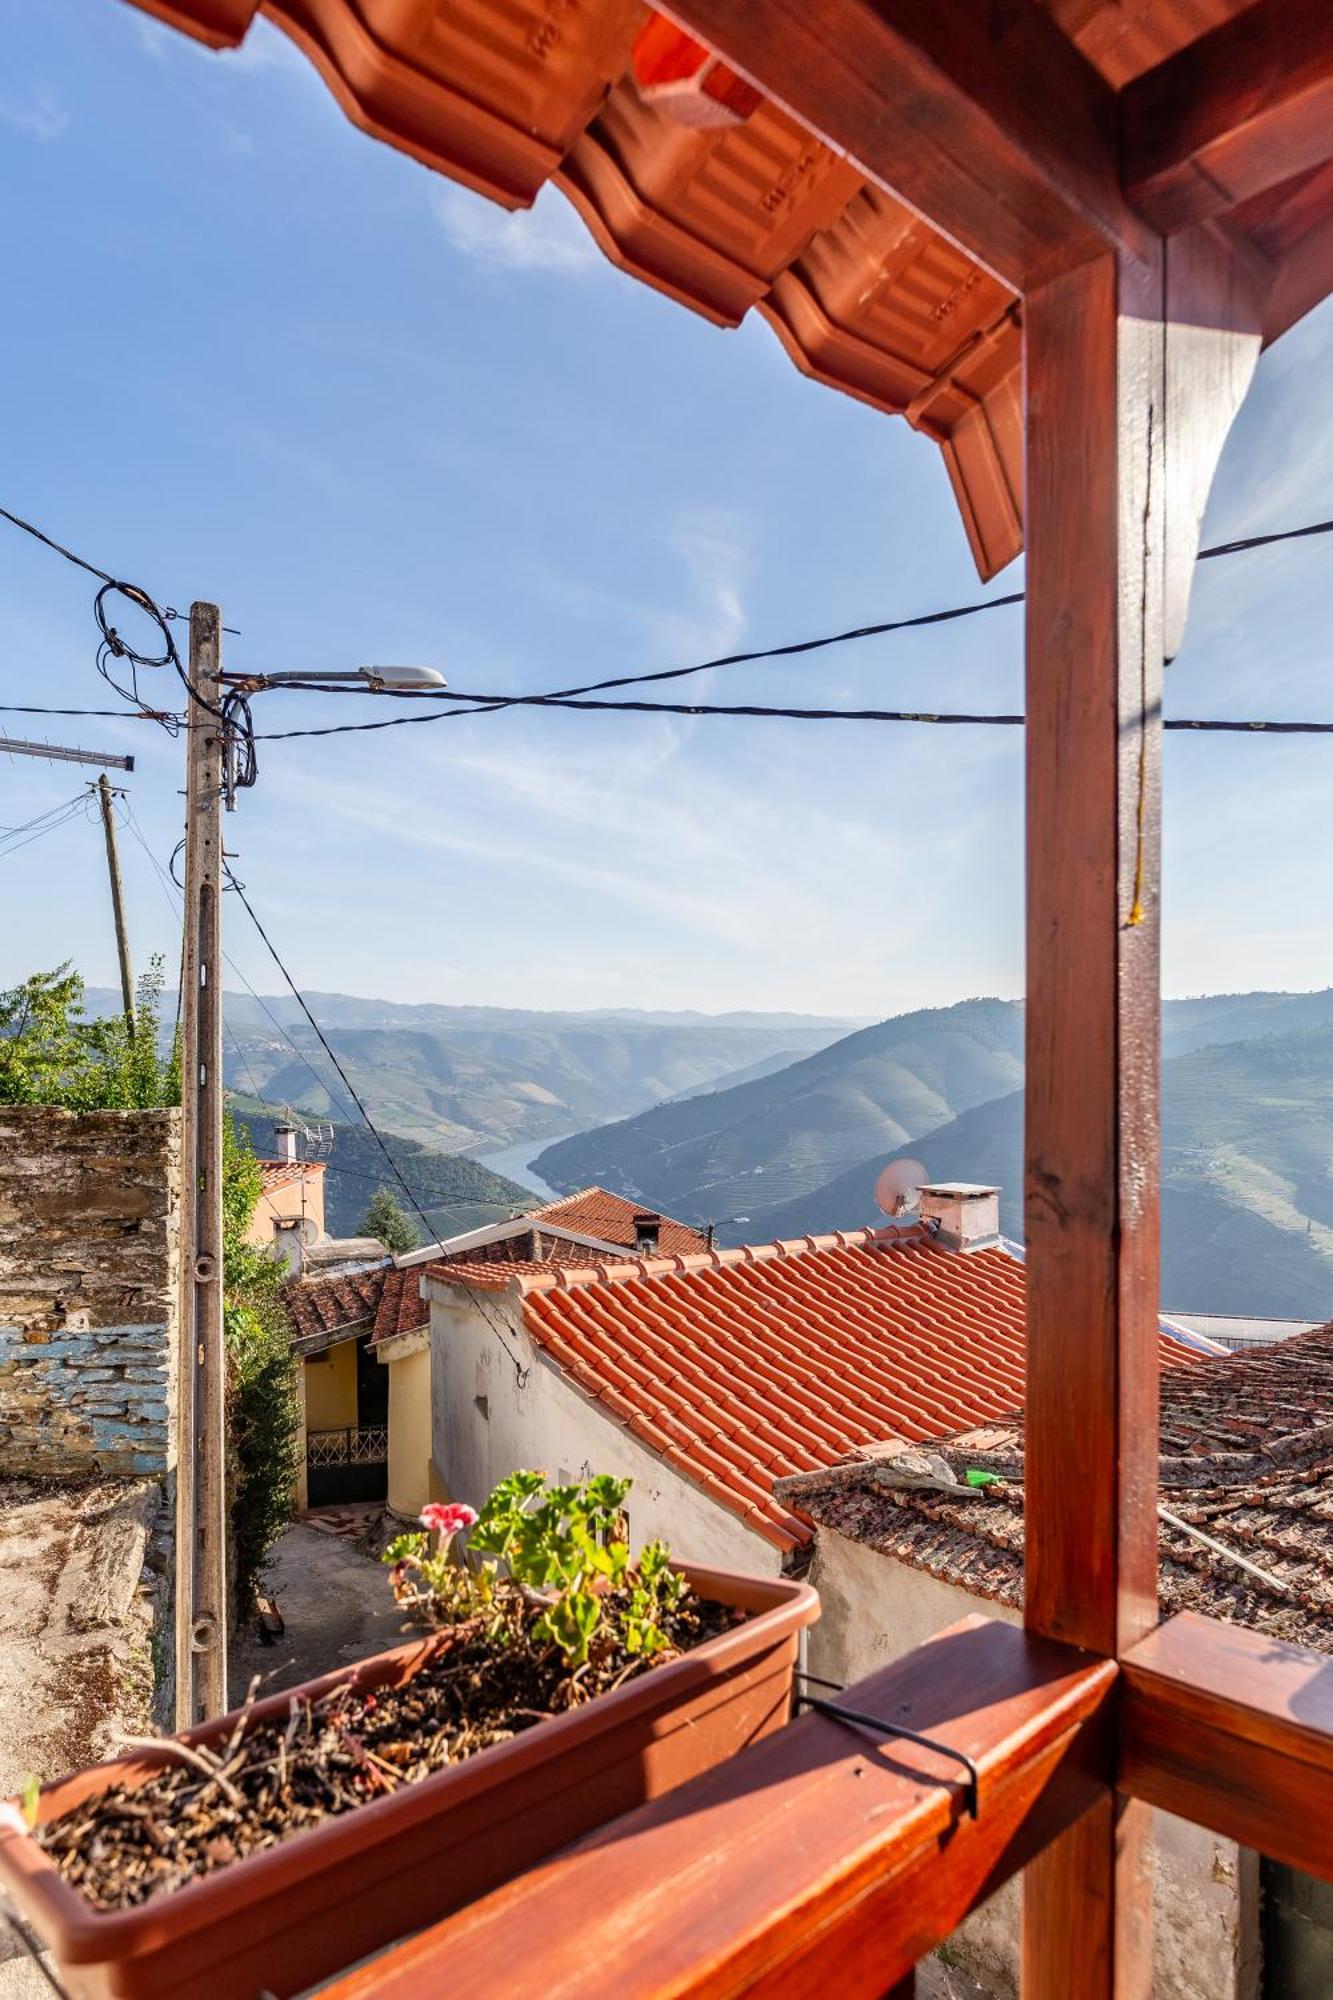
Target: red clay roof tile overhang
[692, 180]
[742, 1366]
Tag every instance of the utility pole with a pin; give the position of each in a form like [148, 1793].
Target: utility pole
[201, 1617]
[117, 898]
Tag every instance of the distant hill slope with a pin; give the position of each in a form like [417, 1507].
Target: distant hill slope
[777, 1139]
[487, 1087]
[781, 1136]
[456, 1193]
[1247, 1177]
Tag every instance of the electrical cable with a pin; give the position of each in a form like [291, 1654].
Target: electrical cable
[752, 710]
[477, 1298]
[173, 904]
[233, 713]
[238, 724]
[52, 822]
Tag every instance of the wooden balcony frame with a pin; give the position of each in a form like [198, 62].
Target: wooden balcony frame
[1143, 318]
[1119, 218]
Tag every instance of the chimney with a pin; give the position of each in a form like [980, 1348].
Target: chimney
[284, 1138]
[647, 1233]
[290, 1240]
[963, 1215]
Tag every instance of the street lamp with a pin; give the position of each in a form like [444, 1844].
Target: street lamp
[720, 1222]
[378, 680]
[404, 680]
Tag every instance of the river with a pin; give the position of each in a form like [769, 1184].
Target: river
[513, 1163]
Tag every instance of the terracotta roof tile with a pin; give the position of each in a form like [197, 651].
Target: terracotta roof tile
[595, 1211]
[329, 1305]
[401, 1308]
[275, 1174]
[1246, 1457]
[744, 1366]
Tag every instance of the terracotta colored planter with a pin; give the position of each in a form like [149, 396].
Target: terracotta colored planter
[279, 1921]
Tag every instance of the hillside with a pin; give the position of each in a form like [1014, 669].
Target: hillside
[455, 1193]
[778, 1139]
[1247, 1176]
[482, 1087]
[783, 1135]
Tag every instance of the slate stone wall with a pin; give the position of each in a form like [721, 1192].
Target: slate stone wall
[89, 1207]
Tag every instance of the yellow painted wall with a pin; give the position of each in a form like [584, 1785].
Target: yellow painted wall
[330, 1389]
[409, 1432]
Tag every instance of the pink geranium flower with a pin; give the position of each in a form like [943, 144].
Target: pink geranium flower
[447, 1517]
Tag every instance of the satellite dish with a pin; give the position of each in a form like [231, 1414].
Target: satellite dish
[898, 1188]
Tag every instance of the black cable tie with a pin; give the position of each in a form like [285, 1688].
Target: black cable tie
[859, 1718]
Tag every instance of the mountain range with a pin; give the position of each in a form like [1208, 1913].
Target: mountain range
[1247, 1141]
[481, 1079]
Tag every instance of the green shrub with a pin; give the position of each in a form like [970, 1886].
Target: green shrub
[263, 1411]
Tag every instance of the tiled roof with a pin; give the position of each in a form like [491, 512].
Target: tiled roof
[742, 1366]
[329, 1305]
[401, 1308]
[597, 1212]
[275, 1174]
[1247, 1458]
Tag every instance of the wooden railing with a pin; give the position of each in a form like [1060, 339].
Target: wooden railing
[829, 1853]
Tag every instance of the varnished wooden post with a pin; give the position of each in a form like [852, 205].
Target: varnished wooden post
[1134, 372]
[1095, 505]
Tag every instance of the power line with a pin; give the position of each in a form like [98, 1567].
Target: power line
[751, 710]
[48, 822]
[561, 696]
[172, 892]
[235, 713]
[476, 1296]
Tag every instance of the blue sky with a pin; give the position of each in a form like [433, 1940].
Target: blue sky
[253, 356]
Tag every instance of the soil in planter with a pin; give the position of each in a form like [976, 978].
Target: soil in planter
[278, 1778]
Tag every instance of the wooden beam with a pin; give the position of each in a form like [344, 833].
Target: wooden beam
[826, 1846]
[1095, 496]
[1233, 1731]
[987, 120]
[1127, 410]
[1240, 110]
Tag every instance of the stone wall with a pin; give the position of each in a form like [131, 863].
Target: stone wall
[89, 1206]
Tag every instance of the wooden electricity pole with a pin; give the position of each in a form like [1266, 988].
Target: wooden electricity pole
[201, 1619]
[117, 898]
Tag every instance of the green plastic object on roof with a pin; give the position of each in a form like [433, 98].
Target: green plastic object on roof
[975, 1477]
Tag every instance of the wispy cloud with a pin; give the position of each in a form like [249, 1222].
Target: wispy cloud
[41, 114]
[547, 237]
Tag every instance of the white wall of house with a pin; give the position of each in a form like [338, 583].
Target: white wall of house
[485, 1425]
[1205, 1904]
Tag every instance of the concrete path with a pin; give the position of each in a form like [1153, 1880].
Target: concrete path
[336, 1605]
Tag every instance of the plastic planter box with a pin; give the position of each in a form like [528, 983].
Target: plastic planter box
[277, 1922]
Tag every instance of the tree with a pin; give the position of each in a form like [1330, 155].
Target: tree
[51, 1053]
[385, 1218]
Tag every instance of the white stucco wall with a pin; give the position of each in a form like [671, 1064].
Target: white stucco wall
[874, 1610]
[484, 1425]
